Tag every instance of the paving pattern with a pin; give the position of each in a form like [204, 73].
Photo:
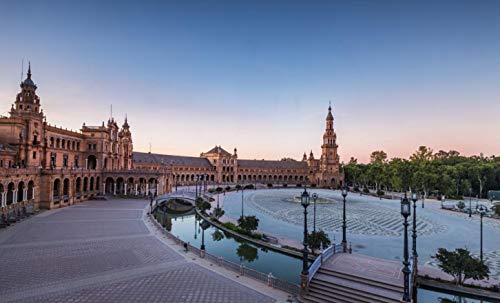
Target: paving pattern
[101, 251]
[379, 221]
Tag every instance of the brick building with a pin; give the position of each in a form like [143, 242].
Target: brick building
[50, 167]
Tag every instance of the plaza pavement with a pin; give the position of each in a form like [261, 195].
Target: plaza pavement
[109, 251]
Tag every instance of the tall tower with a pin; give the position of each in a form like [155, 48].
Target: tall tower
[127, 147]
[30, 129]
[329, 156]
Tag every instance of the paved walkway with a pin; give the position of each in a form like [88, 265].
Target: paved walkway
[108, 251]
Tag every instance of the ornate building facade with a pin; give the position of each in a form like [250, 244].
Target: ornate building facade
[51, 167]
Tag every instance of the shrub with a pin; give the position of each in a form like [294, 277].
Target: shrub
[496, 208]
[313, 185]
[211, 190]
[203, 206]
[299, 185]
[248, 223]
[461, 265]
[249, 186]
[218, 212]
[218, 189]
[269, 185]
[460, 205]
[356, 188]
[285, 185]
[380, 192]
[238, 187]
[366, 190]
[228, 188]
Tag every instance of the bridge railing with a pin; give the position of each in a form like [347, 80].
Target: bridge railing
[323, 257]
[412, 275]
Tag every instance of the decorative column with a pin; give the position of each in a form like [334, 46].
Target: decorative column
[114, 188]
[147, 189]
[25, 195]
[4, 199]
[157, 189]
[86, 163]
[33, 192]
[14, 197]
[96, 163]
[125, 189]
[136, 192]
[104, 188]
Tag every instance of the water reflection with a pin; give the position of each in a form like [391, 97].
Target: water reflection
[430, 296]
[219, 243]
[247, 252]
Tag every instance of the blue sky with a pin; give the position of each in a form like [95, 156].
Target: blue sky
[258, 75]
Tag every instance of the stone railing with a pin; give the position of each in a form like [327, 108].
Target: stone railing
[323, 257]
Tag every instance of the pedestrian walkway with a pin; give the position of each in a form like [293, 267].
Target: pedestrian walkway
[107, 251]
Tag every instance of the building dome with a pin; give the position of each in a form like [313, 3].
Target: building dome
[28, 82]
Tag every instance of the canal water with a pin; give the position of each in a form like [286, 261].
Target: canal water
[430, 296]
[187, 227]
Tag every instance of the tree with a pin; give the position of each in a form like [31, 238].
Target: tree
[247, 252]
[379, 156]
[318, 240]
[248, 223]
[217, 235]
[461, 265]
[218, 212]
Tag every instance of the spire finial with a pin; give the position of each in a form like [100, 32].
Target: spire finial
[29, 69]
[329, 106]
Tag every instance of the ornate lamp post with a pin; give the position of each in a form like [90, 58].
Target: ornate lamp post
[414, 198]
[218, 200]
[242, 189]
[344, 225]
[315, 197]
[406, 212]
[482, 211]
[443, 199]
[204, 225]
[470, 202]
[304, 200]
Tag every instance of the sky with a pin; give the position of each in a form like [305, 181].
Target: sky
[258, 75]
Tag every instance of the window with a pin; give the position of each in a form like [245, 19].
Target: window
[65, 160]
[34, 155]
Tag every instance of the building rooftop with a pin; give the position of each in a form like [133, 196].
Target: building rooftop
[170, 159]
[283, 164]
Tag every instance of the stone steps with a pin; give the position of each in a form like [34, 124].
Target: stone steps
[364, 280]
[329, 286]
[357, 286]
[348, 294]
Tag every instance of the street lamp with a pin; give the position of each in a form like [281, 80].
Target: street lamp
[242, 189]
[406, 212]
[470, 202]
[482, 211]
[344, 226]
[204, 225]
[315, 197]
[304, 200]
[414, 198]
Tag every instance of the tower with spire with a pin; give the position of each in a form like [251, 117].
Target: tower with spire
[27, 104]
[329, 156]
[326, 169]
[126, 141]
